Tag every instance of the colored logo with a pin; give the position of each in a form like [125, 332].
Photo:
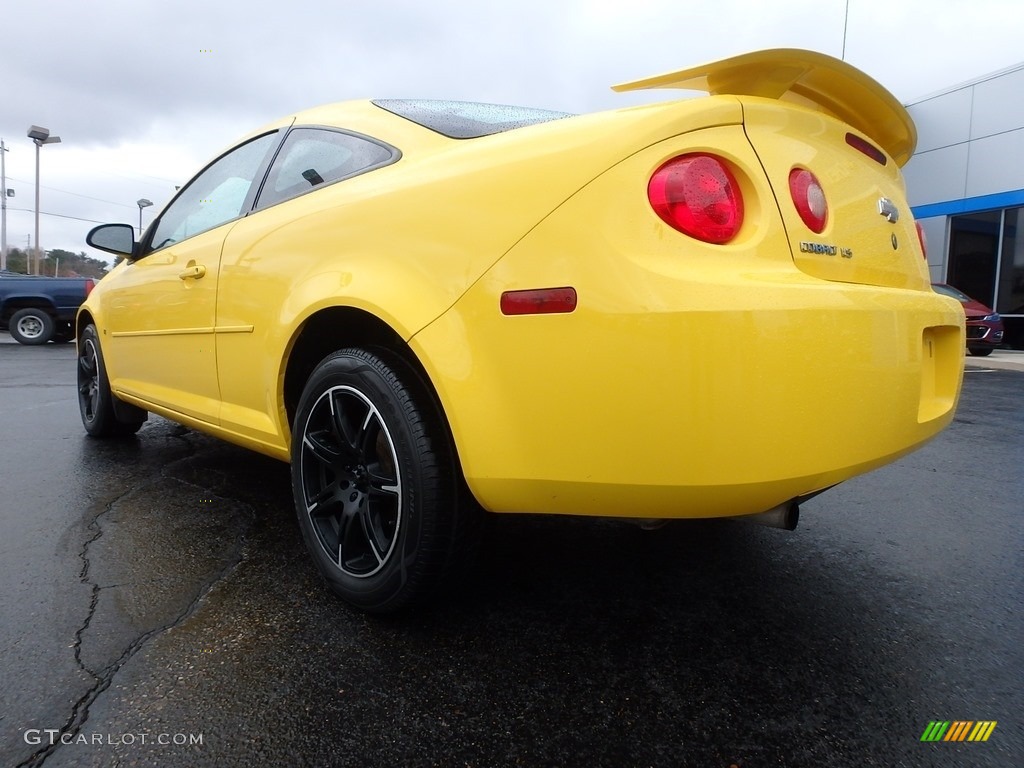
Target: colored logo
[958, 730]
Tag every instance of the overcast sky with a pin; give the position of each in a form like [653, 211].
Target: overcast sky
[144, 93]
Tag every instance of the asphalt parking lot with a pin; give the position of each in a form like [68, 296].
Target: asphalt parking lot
[158, 609]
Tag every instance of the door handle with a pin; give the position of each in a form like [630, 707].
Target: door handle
[192, 271]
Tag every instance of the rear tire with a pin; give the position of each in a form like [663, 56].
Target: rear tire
[31, 326]
[95, 400]
[377, 489]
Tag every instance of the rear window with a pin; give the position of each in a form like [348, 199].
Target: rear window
[467, 119]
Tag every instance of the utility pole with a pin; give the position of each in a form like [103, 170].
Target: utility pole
[3, 207]
[846, 22]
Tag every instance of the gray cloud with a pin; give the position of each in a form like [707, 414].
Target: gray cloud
[191, 75]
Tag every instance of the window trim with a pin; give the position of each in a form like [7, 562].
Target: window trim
[395, 154]
[247, 203]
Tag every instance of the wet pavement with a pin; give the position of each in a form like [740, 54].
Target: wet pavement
[159, 610]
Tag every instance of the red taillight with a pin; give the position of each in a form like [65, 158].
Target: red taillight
[922, 238]
[544, 301]
[89, 285]
[809, 199]
[698, 195]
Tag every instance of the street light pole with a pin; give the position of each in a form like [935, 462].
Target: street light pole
[143, 203]
[3, 207]
[39, 137]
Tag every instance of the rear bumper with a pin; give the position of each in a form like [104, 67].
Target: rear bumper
[744, 394]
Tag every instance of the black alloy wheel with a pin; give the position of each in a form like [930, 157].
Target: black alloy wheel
[352, 486]
[377, 492]
[95, 400]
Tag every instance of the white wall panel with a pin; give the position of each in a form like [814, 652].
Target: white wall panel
[935, 230]
[943, 120]
[998, 105]
[937, 176]
[996, 164]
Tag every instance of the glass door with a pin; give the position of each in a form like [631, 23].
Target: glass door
[973, 250]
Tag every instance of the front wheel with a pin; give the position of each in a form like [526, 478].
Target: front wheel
[375, 483]
[31, 326]
[95, 400]
[980, 351]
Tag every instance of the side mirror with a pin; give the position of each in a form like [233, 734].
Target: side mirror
[113, 238]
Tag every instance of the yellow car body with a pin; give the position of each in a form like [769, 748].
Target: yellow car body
[691, 379]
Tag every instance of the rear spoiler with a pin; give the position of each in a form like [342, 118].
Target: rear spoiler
[804, 77]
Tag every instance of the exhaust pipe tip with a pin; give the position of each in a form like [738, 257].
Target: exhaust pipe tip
[785, 516]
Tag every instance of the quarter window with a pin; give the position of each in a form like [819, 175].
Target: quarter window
[313, 157]
[216, 195]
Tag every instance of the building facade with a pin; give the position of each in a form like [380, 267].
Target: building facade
[966, 187]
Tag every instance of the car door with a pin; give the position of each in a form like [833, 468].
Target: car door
[291, 238]
[160, 314]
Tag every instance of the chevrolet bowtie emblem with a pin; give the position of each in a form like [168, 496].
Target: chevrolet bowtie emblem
[887, 208]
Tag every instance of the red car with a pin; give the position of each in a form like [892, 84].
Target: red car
[984, 325]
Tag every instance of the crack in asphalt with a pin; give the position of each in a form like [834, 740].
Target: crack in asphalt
[83, 576]
[79, 714]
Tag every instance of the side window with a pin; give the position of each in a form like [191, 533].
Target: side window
[214, 196]
[311, 157]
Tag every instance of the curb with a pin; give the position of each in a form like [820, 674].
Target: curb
[1000, 359]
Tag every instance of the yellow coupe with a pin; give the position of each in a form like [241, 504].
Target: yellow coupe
[706, 307]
